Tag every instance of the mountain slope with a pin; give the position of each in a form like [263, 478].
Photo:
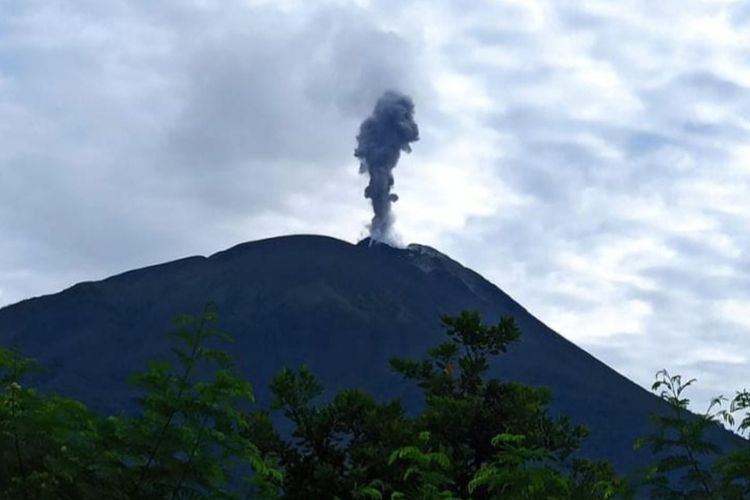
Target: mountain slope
[339, 308]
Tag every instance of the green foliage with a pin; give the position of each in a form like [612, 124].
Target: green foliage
[688, 465]
[470, 415]
[475, 438]
[522, 472]
[519, 471]
[679, 438]
[733, 468]
[425, 474]
[187, 440]
[47, 444]
[197, 437]
[185, 443]
[740, 403]
[338, 449]
[456, 367]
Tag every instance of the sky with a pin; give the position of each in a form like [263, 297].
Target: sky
[591, 158]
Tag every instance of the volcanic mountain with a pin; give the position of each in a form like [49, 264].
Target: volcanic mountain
[341, 309]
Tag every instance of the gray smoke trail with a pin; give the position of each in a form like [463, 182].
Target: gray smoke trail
[382, 137]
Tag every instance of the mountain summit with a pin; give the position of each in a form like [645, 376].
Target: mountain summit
[341, 309]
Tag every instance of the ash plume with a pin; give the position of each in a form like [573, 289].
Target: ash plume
[382, 136]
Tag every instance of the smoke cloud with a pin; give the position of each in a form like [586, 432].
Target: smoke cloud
[382, 137]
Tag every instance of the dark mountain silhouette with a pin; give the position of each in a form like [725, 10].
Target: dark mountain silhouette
[339, 308]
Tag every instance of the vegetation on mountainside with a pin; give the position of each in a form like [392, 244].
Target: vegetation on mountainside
[688, 465]
[186, 441]
[198, 436]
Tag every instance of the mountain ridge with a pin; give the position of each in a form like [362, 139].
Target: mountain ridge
[343, 309]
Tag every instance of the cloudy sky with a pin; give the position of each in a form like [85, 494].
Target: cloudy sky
[591, 158]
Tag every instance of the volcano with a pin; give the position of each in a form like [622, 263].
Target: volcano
[341, 309]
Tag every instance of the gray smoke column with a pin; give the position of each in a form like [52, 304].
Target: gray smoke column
[382, 137]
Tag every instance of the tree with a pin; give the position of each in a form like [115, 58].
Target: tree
[337, 449]
[499, 437]
[47, 443]
[185, 443]
[471, 440]
[426, 472]
[688, 464]
[733, 468]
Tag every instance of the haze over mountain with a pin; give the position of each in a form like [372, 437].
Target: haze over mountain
[339, 308]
